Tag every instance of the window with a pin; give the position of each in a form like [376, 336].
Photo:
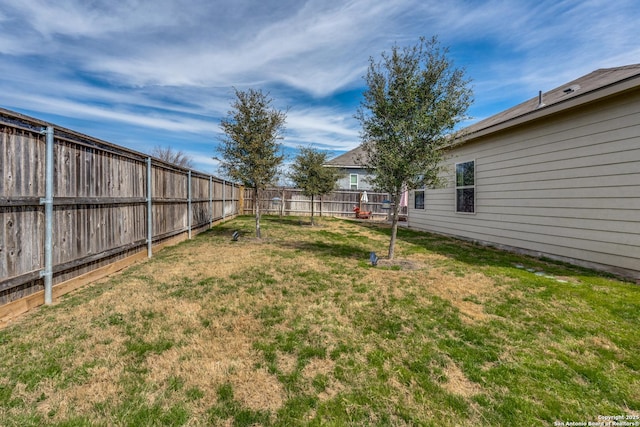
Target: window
[466, 187]
[353, 181]
[418, 199]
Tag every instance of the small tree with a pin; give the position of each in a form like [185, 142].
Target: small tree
[178, 158]
[249, 149]
[414, 98]
[309, 174]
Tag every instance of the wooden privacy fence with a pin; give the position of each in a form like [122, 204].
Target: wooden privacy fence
[339, 203]
[91, 205]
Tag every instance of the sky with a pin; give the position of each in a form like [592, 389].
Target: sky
[147, 73]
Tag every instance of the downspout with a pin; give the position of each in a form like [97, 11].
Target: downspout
[149, 211]
[47, 273]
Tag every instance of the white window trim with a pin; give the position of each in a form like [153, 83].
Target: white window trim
[357, 181]
[456, 188]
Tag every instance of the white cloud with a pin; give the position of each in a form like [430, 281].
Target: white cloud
[169, 65]
[317, 49]
[64, 107]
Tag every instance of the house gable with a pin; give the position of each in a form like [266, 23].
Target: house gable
[349, 164]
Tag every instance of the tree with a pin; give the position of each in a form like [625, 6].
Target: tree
[414, 99]
[249, 148]
[178, 158]
[309, 174]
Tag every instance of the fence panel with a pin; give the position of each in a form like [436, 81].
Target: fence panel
[339, 203]
[200, 213]
[21, 215]
[99, 203]
[170, 201]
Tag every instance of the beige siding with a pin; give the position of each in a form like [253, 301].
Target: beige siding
[567, 186]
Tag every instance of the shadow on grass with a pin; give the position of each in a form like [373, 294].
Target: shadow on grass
[332, 249]
[456, 250]
[328, 243]
[246, 224]
[476, 254]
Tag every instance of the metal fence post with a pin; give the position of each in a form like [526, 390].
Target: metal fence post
[189, 203]
[210, 201]
[149, 211]
[224, 198]
[47, 273]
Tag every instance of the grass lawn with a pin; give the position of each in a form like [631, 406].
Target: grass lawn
[299, 329]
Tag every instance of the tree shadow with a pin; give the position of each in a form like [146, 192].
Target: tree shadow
[476, 254]
[331, 249]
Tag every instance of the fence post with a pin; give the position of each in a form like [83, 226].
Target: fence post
[149, 211]
[189, 203]
[47, 273]
[284, 202]
[210, 201]
[224, 198]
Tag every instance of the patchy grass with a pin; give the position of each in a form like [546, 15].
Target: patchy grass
[299, 329]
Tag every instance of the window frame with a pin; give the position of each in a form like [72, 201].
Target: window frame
[415, 198]
[465, 187]
[351, 184]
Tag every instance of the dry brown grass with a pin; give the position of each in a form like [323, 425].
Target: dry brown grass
[221, 307]
[457, 383]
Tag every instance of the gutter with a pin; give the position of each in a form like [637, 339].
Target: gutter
[619, 87]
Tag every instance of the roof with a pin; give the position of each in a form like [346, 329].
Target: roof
[348, 159]
[593, 86]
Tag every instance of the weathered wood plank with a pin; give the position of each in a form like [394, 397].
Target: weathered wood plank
[100, 200]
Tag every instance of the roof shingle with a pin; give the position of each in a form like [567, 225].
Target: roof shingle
[591, 82]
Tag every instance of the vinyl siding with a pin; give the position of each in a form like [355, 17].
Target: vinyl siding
[566, 186]
[344, 183]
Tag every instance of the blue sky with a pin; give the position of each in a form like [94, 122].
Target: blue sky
[146, 73]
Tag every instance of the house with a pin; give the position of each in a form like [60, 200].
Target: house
[355, 175]
[556, 176]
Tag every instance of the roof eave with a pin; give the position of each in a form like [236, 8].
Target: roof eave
[573, 102]
[344, 167]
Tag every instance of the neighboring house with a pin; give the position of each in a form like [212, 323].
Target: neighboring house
[355, 175]
[556, 176]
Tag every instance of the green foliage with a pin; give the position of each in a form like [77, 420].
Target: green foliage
[415, 97]
[309, 174]
[249, 148]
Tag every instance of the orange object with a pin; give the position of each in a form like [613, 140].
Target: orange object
[361, 214]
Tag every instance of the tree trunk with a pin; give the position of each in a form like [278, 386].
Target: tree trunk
[256, 203]
[395, 200]
[312, 203]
